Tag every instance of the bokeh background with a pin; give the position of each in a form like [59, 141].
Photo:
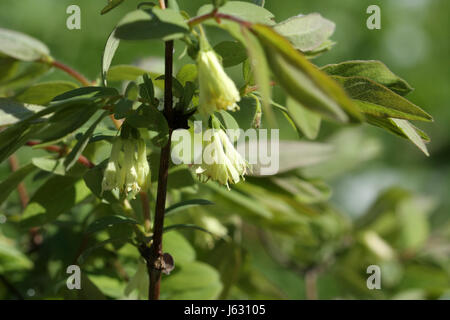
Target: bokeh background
[413, 43]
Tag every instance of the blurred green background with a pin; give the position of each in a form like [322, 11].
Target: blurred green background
[413, 43]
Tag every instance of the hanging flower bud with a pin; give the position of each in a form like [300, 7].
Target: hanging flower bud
[142, 167]
[217, 90]
[112, 171]
[127, 168]
[222, 162]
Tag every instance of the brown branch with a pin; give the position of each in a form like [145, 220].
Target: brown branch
[146, 210]
[81, 159]
[73, 73]
[23, 194]
[250, 89]
[155, 261]
[218, 16]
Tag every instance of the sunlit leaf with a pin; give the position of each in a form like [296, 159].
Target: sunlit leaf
[21, 46]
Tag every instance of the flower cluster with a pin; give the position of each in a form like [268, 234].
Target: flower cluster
[127, 168]
[217, 90]
[222, 162]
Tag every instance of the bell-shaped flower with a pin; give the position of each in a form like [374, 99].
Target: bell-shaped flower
[217, 90]
[127, 169]
[221, 161]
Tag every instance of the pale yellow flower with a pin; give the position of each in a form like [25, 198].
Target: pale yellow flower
[127, 169]
[217, 90]
[221, 161]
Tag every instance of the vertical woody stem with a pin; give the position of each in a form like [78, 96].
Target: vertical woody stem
[155, 263]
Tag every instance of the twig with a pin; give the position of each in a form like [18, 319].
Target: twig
[23, 195]
[146, 210]
[74, 74]
[217, 15]
[35, 236]
[155, 261]
[82, 159]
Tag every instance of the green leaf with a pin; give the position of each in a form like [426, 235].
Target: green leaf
[8, 67]
[261, 72]
[303, 81]
[248, 73]
[306, 32]
[12, 181]
[28, 74]
[187, 204]
[12, 111]
[180, 178]
[177, 87]
[97, 92]
[173, 4]
[54, 166]
[66, 121]
[111, 5]
[112, 44]
[56, 196]
[292, 155]
[125, 73]
[152, 24]
[43, 93]
[107, 222]
[132, 91]
[219, 3]
[76, 152]
[414, 223]
[122, 108]
[179, 248]
[305, 191]
[15, 136]
[244, 10]
[389, 125]
[188, 95]
[21, 46]
[187, 73]
[11, 259]
[147, 90]
[149, 117]
[243, 201]
[140, 281]
[232, 53]
[61, 124]
[371, 69]
[324, 47]
[229, 121]
[86, 253]
[411, 133]
[260, 3]
[308, 122]
[377, 100]
[195, 280]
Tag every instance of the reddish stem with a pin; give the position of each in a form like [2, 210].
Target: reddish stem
[146, 210]
[82, 159]
[23, 195]
[76, 75]
[155, 260]
[217, 15]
